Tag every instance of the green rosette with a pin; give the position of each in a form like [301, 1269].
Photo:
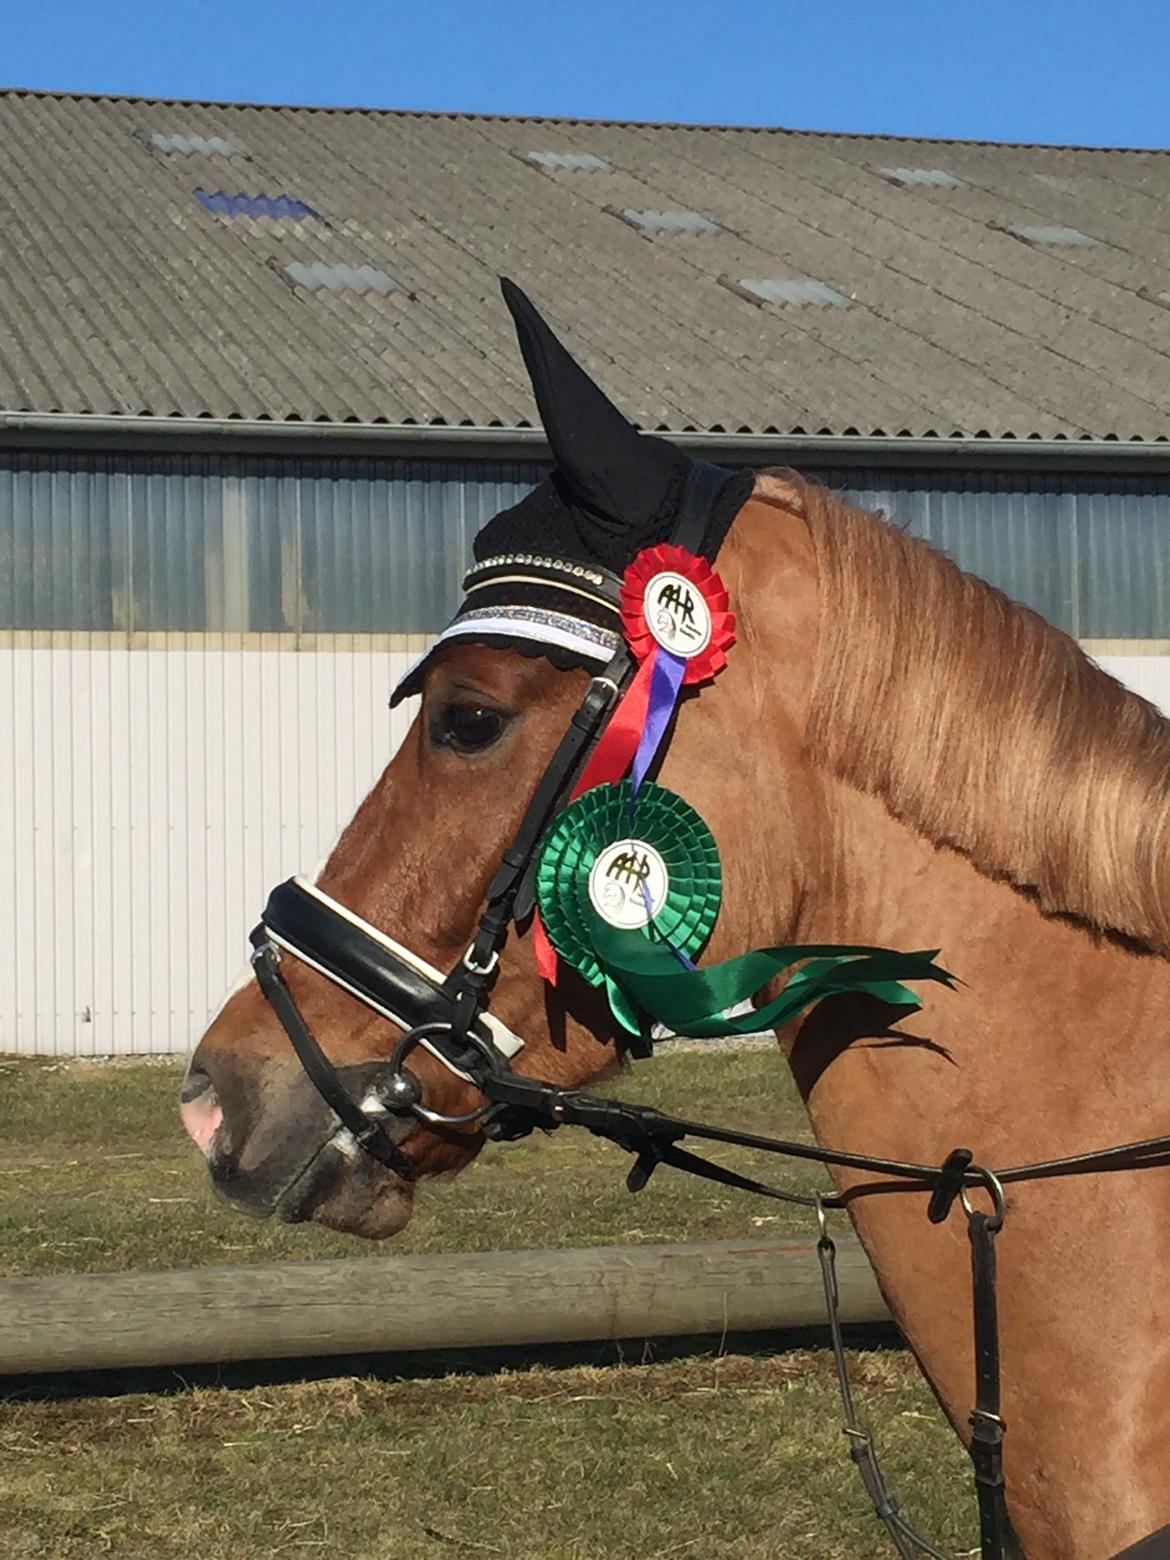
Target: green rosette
[589, 882]
[622, 898]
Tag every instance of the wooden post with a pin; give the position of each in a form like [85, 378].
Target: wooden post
[102, 1321]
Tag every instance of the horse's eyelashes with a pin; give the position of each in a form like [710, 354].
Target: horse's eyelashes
[467, 727]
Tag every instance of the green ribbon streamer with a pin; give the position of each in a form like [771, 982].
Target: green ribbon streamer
[643, 975]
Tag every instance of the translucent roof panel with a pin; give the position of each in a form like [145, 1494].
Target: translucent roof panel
[279, 207]
[567, 160]
[796, 290]
[340, 278]
[668, 221]
[934, 176]
[195, 145]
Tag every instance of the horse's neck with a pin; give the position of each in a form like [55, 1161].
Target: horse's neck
[1054, 1042]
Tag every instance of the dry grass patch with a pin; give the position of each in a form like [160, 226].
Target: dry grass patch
[714, 1457]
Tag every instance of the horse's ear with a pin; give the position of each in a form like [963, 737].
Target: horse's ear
[602, 462]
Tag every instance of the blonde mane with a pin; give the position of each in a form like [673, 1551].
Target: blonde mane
[986, 728]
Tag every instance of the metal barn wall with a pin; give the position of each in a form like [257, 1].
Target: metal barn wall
[195, 658]
[195, 661]
[1090, 553]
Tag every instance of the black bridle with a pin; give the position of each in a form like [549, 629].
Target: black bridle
[447, 1015]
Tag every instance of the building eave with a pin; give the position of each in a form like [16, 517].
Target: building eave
[204, 435]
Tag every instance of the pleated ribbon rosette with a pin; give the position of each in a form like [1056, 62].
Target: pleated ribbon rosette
[677, 621]
[631, 874]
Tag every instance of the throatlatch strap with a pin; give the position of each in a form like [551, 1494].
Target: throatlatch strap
[703, 484]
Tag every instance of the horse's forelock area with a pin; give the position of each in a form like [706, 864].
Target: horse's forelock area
[986, 728]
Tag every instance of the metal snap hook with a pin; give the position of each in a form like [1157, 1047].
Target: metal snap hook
[823, 1236]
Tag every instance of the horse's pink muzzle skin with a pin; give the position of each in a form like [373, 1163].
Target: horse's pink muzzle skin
[202, 1118]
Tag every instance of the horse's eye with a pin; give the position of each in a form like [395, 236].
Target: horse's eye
[468, 728]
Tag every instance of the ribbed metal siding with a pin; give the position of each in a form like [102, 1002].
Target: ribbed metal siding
[208, 543]
[1091, 554]
[195, 660]
[350, 546]
[202, 699]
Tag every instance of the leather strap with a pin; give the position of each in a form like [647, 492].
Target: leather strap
[703, 485]
[348, 953]
[368, 1132]
[600, 699]
[987, 1427]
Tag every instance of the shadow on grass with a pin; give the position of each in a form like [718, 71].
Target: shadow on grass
[65, 1386]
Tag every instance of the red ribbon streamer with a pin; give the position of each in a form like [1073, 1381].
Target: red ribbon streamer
[547, 962]
[619, 741]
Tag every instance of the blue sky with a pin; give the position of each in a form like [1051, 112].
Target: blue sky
[1043, 70]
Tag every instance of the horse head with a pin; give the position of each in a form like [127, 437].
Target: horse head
[498, 691]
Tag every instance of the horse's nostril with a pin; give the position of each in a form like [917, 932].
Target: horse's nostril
[200, 1109]
[195, 1084]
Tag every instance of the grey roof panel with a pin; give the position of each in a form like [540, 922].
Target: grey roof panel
[148, 302]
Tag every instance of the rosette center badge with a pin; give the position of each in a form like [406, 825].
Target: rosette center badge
[677, 614]
[628, 884]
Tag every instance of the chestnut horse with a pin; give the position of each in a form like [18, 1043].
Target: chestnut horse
[895, 755]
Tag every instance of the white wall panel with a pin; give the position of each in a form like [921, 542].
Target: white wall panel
[152, 797]
[1148, 675]
[149, 800]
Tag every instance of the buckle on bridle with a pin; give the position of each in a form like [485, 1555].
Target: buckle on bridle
[601, 681]
[472, 964]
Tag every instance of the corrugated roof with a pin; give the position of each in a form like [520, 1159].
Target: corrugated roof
[146, 302]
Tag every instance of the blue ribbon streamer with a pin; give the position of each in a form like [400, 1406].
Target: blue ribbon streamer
[665, 682]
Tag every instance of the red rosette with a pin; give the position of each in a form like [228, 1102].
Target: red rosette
[673, 599]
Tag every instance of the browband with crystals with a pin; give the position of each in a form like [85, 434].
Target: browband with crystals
[521, 598]
[607, 586]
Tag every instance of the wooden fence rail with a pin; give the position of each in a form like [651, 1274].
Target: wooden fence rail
[491, 1299]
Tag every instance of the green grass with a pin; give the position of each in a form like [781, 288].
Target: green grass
[710, 1456]
[96, 1175]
